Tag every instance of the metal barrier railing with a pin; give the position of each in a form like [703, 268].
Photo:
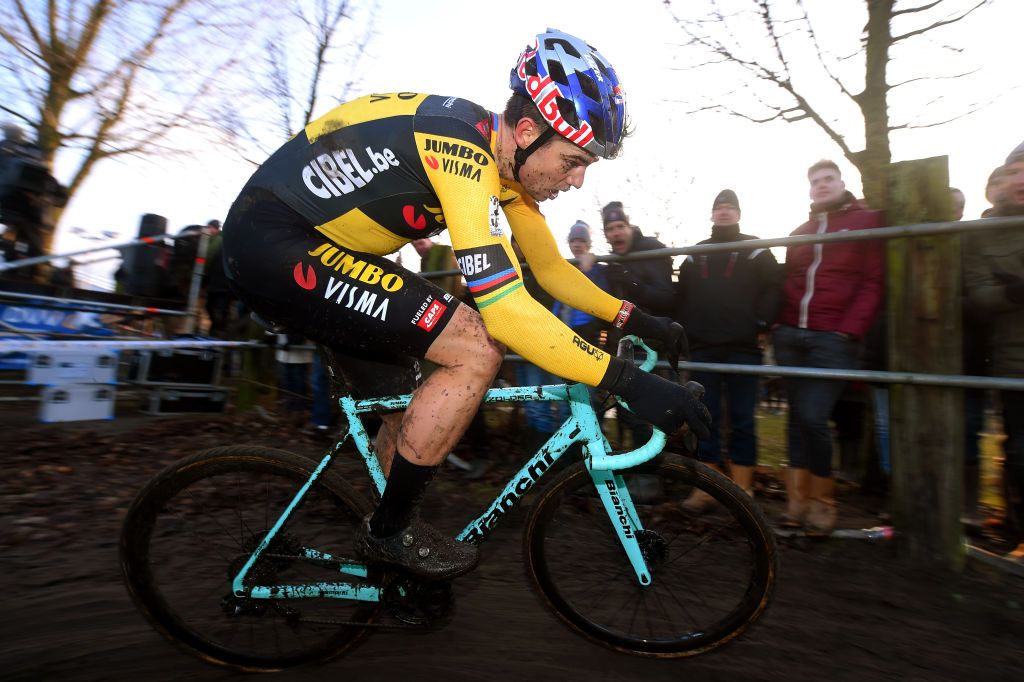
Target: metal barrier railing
[97, 306]
[870, 376]
[874, 234]
[142, 241]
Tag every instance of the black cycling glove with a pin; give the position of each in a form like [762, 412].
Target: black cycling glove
[659, 401]
[668, 335]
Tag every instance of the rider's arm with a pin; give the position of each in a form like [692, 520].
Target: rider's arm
[553, 272]
[495, 279]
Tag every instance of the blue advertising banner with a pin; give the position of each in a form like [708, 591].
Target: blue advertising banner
[46, 321]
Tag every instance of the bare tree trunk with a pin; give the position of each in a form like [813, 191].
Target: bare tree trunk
[873, 162]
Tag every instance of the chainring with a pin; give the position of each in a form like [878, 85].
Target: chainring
[417, 603]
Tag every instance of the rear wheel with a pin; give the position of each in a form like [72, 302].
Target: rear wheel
[712, 574]
[195, 525]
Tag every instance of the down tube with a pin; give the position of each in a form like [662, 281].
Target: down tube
[623, 517]
[522, 482]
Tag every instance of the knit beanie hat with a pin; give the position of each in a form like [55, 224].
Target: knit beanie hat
[613, 212]
[1016, 155]
[580, 230]
[726, 196]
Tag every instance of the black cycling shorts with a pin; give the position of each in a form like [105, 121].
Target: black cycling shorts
[356, 304]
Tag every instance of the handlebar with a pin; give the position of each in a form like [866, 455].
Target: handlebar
[653, 447]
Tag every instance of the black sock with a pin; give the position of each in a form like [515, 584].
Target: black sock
[406, 484]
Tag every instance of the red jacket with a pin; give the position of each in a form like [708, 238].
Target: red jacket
[838, 286]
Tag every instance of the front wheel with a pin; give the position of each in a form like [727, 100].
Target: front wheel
[712, 574]
[190, 531]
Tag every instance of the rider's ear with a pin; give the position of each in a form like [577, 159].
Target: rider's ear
[526, 131]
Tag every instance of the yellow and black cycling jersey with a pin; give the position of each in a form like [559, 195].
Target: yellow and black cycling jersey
[380, 171]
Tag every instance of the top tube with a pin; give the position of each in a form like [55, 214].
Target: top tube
[624, 460]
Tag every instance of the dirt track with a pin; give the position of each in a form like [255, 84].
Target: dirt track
[843, 611]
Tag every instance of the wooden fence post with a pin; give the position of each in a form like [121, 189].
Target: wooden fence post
[924, 335]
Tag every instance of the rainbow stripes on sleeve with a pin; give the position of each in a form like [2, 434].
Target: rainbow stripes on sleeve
[489, 273]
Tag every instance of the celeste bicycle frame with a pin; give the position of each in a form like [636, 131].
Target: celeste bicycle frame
[582, 426]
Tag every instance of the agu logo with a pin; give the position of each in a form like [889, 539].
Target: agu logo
[432, 315]
[305, 280]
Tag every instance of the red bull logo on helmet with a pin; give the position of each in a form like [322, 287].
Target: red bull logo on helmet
[545, 92]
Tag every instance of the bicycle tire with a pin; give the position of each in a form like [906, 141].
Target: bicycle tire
[184, 588]
[563, 567]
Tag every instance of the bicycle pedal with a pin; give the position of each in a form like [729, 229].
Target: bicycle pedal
[416, 603]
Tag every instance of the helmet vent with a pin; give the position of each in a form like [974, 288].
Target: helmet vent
[588, 86]
[557, 72]
[568, 111]
[597, 125]
[552, 43]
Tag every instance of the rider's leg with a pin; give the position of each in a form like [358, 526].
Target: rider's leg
[387, 440]
[439, 413]
[468, 359]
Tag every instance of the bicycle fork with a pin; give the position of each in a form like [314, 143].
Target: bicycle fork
[622, 514]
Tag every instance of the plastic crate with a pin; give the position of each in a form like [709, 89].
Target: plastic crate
[72, 367]
[77, 402]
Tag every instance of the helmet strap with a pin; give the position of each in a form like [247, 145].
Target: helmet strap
[523, 154]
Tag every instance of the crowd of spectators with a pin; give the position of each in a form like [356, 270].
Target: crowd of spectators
[822, 308]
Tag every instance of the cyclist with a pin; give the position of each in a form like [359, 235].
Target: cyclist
[305, 240]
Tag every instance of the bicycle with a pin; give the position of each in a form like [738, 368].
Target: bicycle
[607, 543]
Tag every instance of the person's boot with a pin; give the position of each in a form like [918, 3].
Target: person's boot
[699, 501]
[743, 476]
[821, 505]
[797, 481]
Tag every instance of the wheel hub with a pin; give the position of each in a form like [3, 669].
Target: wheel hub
[652, 546]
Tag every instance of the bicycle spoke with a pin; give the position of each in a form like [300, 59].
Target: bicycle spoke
[685, 608]
[226, 513]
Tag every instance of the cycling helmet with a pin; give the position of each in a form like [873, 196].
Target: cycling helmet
[575, 89]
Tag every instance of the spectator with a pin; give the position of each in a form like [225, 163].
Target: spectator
[726, 300]
[831, 295]
[975, 363]
[994, 189]
[293, 360]
[646, 283]
[586, 326]
[220, 299]
[28, 193]
[994, 278]
[959, 202]
[437, 257]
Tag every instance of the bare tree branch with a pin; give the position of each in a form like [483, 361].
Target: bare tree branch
[937, 24]
[922, 8]
[934, 78]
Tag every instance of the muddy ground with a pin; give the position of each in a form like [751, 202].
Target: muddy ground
[844, 610]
